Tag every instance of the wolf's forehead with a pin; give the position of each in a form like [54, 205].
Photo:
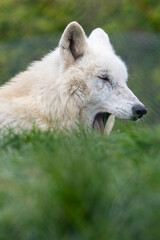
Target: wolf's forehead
[106, 62]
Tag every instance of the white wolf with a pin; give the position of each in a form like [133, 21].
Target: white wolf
[81, 81]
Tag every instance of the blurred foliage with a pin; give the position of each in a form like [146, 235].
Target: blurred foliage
[94, 188]
[25, 18]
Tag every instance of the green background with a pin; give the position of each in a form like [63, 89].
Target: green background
[27, 18]
[82, 185]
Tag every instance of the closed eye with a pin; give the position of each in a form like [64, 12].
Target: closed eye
[104, 77]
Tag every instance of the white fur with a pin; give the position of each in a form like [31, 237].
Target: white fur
[64, 87]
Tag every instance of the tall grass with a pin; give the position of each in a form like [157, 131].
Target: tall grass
[80, 185]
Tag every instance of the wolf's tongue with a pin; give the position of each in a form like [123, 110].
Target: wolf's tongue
[99, 119]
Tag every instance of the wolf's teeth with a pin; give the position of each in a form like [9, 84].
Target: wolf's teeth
[96, 126]
[109, 124]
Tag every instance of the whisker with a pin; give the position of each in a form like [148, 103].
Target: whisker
[123, 110]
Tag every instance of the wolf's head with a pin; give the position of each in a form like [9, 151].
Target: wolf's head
[92, 63]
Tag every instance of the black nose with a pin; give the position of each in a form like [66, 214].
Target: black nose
[138, 111]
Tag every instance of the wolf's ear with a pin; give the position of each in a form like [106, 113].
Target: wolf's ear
[73, 42]
[101, 37]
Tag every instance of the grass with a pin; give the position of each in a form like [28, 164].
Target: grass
[80, 186]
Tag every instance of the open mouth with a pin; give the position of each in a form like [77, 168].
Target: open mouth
[100, 121]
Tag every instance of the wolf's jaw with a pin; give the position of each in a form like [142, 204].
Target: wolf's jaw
[100, 121]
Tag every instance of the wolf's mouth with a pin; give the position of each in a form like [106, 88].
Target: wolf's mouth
[100, 121]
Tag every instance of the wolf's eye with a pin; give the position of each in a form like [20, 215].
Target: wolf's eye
[104, 78]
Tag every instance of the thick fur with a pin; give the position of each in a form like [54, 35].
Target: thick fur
[66, 86]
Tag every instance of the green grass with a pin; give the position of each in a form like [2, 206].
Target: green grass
[56, 186]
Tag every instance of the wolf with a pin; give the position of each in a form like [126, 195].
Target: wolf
[81, 81]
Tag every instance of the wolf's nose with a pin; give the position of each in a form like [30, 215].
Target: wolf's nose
[139, 110]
